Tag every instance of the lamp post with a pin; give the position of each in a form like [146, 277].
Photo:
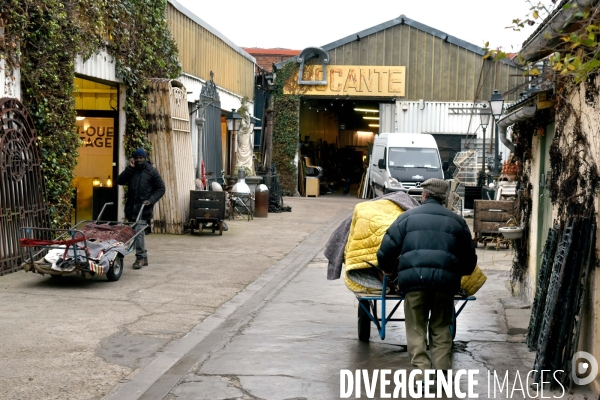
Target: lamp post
[484, 115]
[496, 104]
[233, 120]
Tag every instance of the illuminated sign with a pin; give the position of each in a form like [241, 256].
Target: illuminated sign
[350, 80]
[96, 136]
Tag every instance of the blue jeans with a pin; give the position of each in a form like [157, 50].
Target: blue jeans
[140, 242]
[346, 185]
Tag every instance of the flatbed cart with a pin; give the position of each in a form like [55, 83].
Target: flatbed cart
[75, 243]
[367, 311]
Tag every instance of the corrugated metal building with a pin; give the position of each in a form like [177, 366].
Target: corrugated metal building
[205, 54]
[409, 77]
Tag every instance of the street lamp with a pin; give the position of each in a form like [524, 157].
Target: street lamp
[233, 121]
[484, 115]
[496, 104]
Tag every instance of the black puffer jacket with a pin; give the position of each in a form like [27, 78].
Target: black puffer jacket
[143, 183]
[432, 248]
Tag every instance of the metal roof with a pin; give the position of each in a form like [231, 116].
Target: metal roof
[209, 28]
[401, 20]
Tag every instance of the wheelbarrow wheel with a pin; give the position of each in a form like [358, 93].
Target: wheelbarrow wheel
[453, 325]
[364, 322]
[115, 272]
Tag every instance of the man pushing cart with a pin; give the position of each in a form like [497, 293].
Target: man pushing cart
[394, 249]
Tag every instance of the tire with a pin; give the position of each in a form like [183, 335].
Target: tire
[364, 322]
[115, 272]
[55, 276]
[453, 326]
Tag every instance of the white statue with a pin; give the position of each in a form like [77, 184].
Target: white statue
[245, 145]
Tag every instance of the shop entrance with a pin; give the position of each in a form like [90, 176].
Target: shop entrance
[337, 135]
[97, 164]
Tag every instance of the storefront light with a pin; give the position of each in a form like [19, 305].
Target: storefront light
[366, 110]
[96, 182]
[373, 118]
[374, 125]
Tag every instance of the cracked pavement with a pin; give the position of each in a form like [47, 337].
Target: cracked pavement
[246, 315]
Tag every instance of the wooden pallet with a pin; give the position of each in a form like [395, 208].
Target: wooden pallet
[489, 215]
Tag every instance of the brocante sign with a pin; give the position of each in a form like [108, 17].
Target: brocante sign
[350, 80]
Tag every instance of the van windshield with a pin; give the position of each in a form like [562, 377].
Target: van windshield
[413, 157]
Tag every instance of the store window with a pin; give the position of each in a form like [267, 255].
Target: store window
[94, 179]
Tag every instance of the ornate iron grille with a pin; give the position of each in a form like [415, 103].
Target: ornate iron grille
[211, 137]
[21, 183]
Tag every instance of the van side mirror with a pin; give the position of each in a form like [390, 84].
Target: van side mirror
[445, 166]
[381, 163]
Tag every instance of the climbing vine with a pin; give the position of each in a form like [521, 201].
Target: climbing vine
[43, 38]
[522, 135]
[575, 178]
[286, 129]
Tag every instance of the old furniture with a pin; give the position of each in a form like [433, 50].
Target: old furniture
[489, 215]
[207, 207]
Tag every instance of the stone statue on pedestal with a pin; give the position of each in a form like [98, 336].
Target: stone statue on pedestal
[245, 139]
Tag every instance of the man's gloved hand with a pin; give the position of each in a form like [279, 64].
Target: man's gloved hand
[146, 203]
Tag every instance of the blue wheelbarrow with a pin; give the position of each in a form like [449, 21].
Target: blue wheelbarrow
[368, 310]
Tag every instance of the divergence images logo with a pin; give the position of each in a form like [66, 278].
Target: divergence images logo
[585, 365]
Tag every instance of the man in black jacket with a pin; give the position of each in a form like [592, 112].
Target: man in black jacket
[432, 249]
[145, 186]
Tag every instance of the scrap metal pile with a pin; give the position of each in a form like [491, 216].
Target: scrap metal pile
[561, 291]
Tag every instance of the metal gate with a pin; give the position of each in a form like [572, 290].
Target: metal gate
[212, 145]
[21, 183]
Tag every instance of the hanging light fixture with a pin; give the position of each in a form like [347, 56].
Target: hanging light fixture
[108, 182]
[96, 182]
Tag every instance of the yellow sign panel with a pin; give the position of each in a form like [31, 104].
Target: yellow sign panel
[350, 80]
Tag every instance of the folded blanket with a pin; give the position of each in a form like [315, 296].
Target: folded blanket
[336, 245]
[470, 284]
[370, 221]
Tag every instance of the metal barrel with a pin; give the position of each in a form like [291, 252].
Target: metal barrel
[261, 202]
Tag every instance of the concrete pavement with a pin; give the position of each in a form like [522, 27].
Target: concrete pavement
[73, 338]
[249, 315]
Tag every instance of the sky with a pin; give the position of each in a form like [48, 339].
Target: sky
[300, 24]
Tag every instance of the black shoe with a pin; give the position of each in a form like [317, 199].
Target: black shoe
[140, 262]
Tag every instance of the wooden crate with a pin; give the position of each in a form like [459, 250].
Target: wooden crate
[207, 206]
[489, 215]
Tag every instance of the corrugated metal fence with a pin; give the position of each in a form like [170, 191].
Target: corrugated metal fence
[446, 118]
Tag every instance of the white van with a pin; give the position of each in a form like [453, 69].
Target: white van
[402, 161]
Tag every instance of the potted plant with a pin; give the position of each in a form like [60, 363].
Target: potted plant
[511, 231]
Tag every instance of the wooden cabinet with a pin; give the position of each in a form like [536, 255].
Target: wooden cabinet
[489, 215]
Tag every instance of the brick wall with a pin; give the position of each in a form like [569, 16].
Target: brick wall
[265, 58]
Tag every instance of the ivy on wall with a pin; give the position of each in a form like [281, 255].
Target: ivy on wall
[575, 177]
[286, 129]
[522, 135]
[43, 38]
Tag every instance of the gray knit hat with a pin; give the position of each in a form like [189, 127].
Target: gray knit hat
[436, 188]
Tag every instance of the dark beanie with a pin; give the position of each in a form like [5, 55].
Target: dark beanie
[139, 153]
